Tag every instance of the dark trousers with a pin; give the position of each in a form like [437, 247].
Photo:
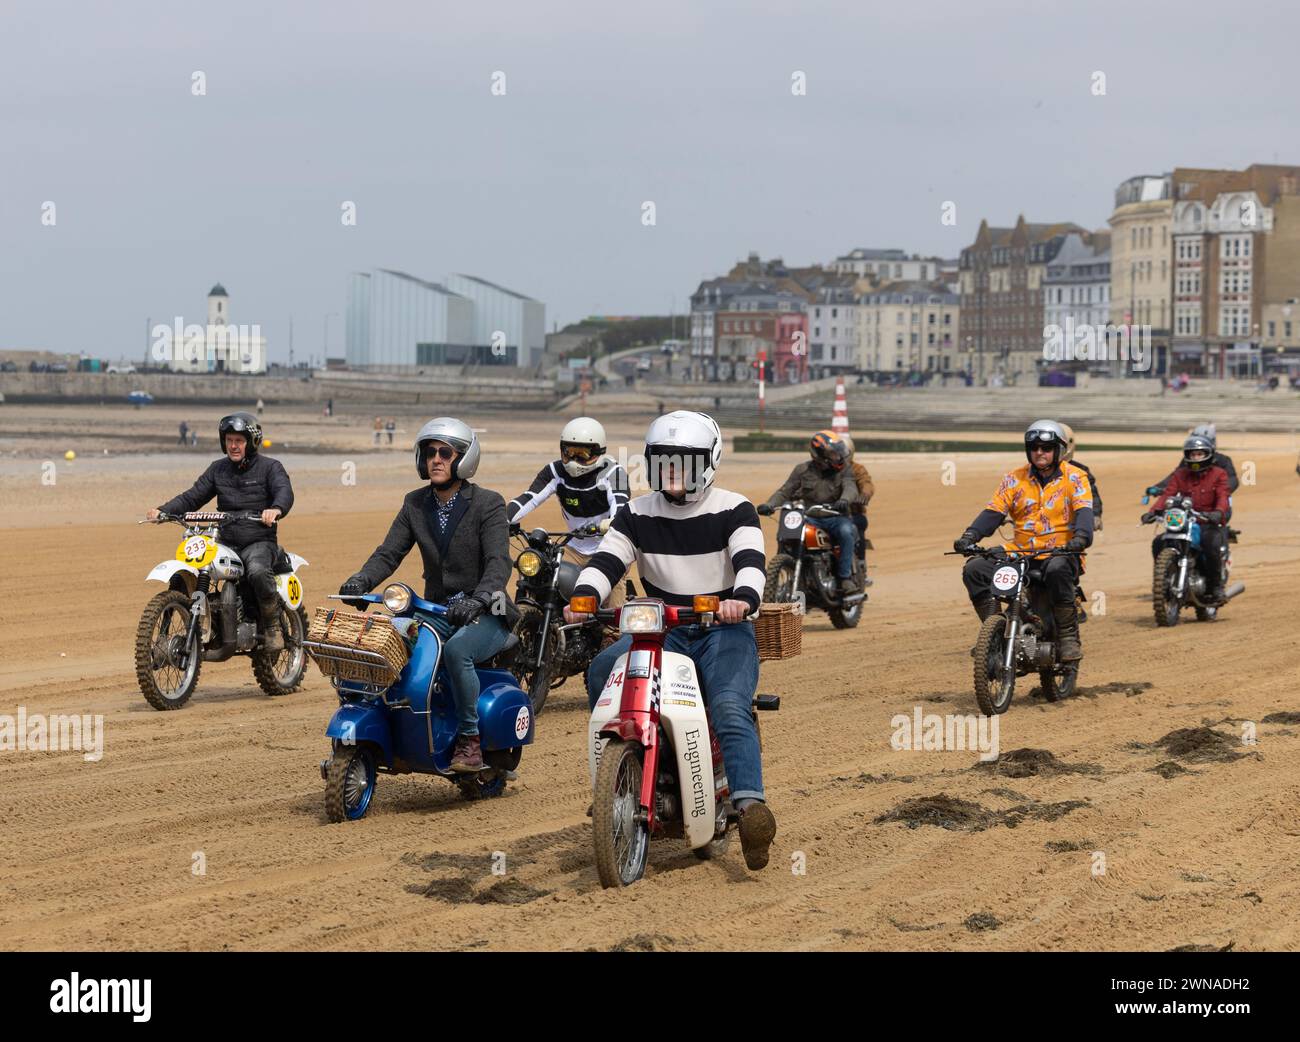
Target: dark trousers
[259, 573]
[842, 531]
[1060, 575]
[860, 523]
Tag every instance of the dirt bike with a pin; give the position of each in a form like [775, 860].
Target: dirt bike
[209, 614]
[1023, 639]
[550, 650]
[1180, 579]
[655, 763]
[804, 567]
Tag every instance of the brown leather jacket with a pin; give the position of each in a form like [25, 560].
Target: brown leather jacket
[866, 489]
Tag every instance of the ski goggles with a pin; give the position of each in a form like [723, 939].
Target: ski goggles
[580, 453]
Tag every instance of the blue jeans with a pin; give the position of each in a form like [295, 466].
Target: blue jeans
[726, 658]
[465, 646]
[845, 534]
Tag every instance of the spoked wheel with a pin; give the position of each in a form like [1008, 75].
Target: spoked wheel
[349, 783]
[166, 665]
[846, 618]
[1059, 686]
[622, 839]
[1163, 600]
[779, 587]
[539, 686]
[280, 672]
[993, 685]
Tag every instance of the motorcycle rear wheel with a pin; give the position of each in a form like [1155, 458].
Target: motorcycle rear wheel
[281, 673]
[159, 639]
[993, 691]
[1163, 603]
[1056, 688]
[622, 843]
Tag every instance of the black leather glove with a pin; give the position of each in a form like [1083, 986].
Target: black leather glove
[351, 587]
[1148, 517]
[765, 509]
[840, 506]
[1077, 544]
[515, 529]
[1214, 517]
[465, 611]
[965, 541]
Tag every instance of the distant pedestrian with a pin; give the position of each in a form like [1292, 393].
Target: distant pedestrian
[329, 407]
[391, 426]
[260, 406]
[379, 429]
[185, 433]
[194, 437]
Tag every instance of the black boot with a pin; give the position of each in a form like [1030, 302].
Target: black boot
[1068, 648]
[272, 631]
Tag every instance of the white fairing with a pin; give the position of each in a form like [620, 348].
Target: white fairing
[163, 572]
[686, 728]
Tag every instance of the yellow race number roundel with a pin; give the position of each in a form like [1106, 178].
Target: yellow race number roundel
[197, 551]
[292, 590]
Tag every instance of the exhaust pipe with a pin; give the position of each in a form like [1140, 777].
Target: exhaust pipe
[1232, 591]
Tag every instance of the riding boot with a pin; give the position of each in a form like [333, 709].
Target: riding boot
[272, 631]
[1068, 648]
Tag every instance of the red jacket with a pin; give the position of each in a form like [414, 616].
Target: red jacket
[1208, 489]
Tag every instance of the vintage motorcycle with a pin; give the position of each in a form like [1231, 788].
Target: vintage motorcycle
[208, 614]
[1023, 639]
[803, 568]
[656, 765]
[408, 725]
[550, 650]
[1179, 579]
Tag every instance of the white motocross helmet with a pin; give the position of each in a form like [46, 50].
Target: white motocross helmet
[1208, 432]
[692, 440]
[582, 446]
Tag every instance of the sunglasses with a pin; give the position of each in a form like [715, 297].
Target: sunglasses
[579, 453]
[444, 452]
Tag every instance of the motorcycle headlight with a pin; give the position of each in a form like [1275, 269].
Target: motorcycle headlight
[397, 598]
[529, 563]
[641, 618]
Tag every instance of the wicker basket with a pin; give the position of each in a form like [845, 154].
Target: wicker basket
[779, 631]
[351, 645]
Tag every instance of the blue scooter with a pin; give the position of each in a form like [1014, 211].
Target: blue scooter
[409, 727]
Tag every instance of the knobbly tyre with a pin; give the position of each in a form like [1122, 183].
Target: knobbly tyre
[1023, 639]
[656, 766]
[1179, 577]
[803, 568]
[549, 649]
[208, 614]
[408, 726]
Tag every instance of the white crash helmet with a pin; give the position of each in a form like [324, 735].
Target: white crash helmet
[460, 436]
[1049, 432]
[583, 433]
[1207, 431]
[683, 434]
[848, 441]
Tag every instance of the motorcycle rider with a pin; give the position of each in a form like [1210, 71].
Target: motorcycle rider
[590, 485]
[1207, 485]
[825, 479]
[464, 541]
[1209, 432]
[690, 537]
[1068, 457]
[244, 482]
[858, 508]
[1050, 505]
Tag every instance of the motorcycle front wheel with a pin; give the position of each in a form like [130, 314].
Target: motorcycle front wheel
[994, 686]
[779, 587]
[622, 840]
[1164, 602]
[166, 665]
[349, 783]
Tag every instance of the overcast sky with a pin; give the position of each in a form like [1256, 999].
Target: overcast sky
[160, 193]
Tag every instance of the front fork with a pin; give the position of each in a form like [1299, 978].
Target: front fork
[1180, 584]
[198, 609]
[1013, 626]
